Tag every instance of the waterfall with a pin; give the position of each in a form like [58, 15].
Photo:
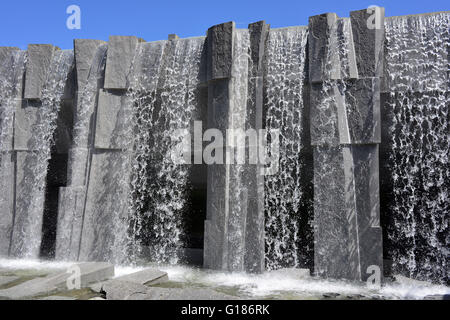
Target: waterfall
[165, 97]
[417, 70]
[31, 188]
[11, 74]
[88, 94]
[10, 85]
[237, 120]
[70, 218]
[286, 55]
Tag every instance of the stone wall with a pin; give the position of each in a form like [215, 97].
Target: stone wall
[71, 199]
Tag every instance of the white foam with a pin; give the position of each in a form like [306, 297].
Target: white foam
[33, 264]
[272, 283]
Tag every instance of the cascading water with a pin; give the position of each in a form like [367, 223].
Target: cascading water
[70, 222]
[10, 85]
[31, 190]
[237, 120]
[286, 245]
[11, 73]
[166, 104]
[417, 75]
[87, 101]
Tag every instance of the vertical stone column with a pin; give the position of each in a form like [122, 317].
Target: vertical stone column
[105, 213]
[345, 133]
[89, 55]
[28, 201]
[234, 229]
[254, 229]
[219, 62]
[11, 73]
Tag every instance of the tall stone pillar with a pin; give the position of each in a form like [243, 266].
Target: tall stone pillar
[11, 74]
[345, 57]
[104, 229]
[234, 229]
[89, 67]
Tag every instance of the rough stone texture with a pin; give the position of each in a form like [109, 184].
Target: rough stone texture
[335, 242]
[348, 235]
[220, 51]
[148, 65]
[360, 112]
[324, 121]
[111, 124]
[369, 43]
[70, 222]
[5, 52]
[121, 51]
[120, 290]
[214, 256]
[64, 127]
[7, 164]
[321, 35]
[367, 194]
[106, 202]
[131, 281]
[347, 113]
[89, 272]
[180, 294]
[39, 58]
[254, 229]
[234, 228]
[123, 290]
[12, 68]
[345, 130]
[84, 50]
[26, 118]
[29, 202]
[79, 159]
[349, 70]
[5, 280]
[173, 36]
[147, 277]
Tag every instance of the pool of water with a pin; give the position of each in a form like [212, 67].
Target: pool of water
[282, 284]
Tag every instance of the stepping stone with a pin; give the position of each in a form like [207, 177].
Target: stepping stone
[121, 290]
[4, 280]
[147, 277]
[154, 293]
[144, 277]
[89, 272]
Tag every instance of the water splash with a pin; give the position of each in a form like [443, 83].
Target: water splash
[286, 55]
[70, 218]
[238, 191]
[417, 73]
[31, 189]
[162, 107]
[11, 73]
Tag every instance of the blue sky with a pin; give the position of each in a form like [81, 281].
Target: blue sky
[44, 21]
